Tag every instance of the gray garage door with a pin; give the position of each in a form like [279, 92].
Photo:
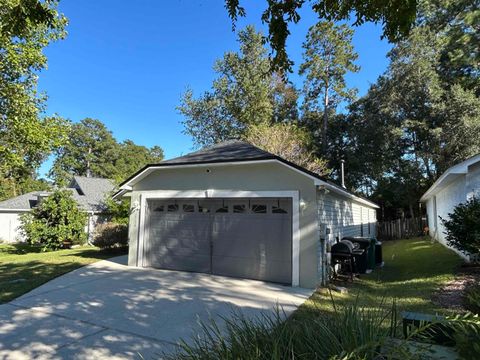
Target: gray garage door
[247, 238]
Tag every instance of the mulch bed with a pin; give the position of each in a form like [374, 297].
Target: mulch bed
[451, 296]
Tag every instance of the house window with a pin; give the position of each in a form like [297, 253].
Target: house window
[172, 208]
[259, 209]
[203, 209]
[159, 208]
[278, 210]
[239, 208]
[223, 209]
[188, 208]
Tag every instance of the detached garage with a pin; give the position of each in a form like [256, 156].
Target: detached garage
[236, 210]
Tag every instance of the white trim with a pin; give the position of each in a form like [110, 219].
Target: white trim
[15, 210]
[316, 181]
[452, 172]
[345, 193]
[210, 193]
[141, 230]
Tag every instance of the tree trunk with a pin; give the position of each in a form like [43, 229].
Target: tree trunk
[325, 120]
[412, 214]
[89, 174]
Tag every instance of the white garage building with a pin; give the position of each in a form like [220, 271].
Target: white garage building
[236, 210]
[456, 185]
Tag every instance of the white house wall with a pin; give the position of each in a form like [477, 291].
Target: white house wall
[443, 203]
[9, 223]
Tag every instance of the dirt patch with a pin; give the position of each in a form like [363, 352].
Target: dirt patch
[452, 295]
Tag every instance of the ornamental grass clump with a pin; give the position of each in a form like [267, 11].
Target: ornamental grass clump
[351, 332]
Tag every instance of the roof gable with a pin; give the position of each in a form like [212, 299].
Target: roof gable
[450, 175]
[231, 152]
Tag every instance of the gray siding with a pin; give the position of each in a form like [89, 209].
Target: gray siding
[345, 217]
[340, 217]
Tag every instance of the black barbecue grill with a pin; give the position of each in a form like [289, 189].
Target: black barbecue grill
[345, 253]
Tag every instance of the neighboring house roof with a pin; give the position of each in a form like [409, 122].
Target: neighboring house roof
[234, 151]
[450, 176]
[21, 203]
[89, 193]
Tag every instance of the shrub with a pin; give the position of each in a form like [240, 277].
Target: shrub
[111, 235]
[57, 219]
[118, 210]
[463, 227]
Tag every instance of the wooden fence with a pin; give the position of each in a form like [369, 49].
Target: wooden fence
[400, 228]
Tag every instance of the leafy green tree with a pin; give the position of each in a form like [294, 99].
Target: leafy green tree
[92, 150]
[463, 228]
[118, 210]
[457, 23]
[328, 56]
[130, 157]
[88, 152]
[415, 122]
[396, 17]
[245, 93]
[56, 220]
[26, 137]
[10, 187]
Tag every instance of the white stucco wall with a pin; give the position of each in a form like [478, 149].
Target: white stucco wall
[9, 223]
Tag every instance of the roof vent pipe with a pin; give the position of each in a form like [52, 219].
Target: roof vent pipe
[343, 173]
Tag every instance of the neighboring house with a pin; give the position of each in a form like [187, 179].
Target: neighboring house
[89, 192]
[236, 210]
[456, 185]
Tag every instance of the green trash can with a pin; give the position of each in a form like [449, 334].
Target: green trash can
[371, 254]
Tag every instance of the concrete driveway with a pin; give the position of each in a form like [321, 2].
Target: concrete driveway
[109, 310]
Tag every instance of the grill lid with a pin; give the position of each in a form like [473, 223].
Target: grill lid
[343, 247]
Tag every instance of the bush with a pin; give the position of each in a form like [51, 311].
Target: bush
[118, 210]
[463, 227]
[56, 220]
[111, 235]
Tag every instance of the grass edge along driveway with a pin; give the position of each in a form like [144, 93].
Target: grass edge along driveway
[24, 267]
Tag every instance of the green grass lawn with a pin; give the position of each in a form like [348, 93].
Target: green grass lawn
[414, 269]
[24, 267]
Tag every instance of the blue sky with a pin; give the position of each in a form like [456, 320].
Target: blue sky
[127, 63]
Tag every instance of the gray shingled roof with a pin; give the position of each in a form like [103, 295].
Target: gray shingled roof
[89, 192]
[232, 150]
[92, 191]
[22, 202]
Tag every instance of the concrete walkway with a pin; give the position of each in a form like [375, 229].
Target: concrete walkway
[109, 310]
